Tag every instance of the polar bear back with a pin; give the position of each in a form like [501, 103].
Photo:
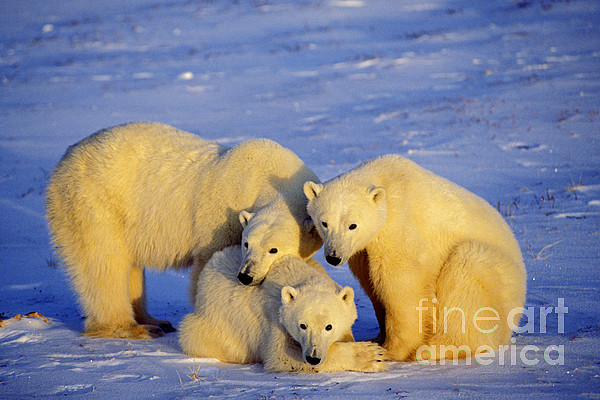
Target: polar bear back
[167, 195]
[112, 180]
[268, 169]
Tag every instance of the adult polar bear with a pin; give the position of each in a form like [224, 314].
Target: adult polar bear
[441, 267]
[147, 194]
[297, 320]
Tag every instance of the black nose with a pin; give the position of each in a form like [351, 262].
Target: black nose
[313, 360]
[244, 278]
[333, 260]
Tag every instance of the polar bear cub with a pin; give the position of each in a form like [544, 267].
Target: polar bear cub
[269, 234]
[297, 320]
[442, 268]
[149, 195]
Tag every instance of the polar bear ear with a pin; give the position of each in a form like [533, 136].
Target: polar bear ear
[312, 190]
[346, 295]
[308, 224]
[376, 193]
[245, 217]
[288, 294]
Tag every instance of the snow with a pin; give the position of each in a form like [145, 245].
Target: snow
[501, 97]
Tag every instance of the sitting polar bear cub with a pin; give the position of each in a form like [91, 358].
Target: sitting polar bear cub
[443, 270]
[297, 320]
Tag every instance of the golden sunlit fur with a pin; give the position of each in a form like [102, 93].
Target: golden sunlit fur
[440, 265]
[297, 320]
[149, 195]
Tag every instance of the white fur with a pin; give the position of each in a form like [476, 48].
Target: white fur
[298, 314]
[147, 194]
[408, 235]
[271, 233]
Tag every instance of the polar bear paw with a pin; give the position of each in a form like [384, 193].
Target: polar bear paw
[369, 357]
[124, 331]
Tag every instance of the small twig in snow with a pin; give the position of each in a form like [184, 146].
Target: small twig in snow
[539, 256]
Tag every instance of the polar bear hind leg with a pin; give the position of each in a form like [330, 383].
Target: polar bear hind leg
[197, 339]
[102, 276]
[477, 287]
[205, 336]
[113, 317]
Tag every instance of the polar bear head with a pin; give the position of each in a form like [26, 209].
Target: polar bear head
[346, 214]
[316, 318]
[269, 234]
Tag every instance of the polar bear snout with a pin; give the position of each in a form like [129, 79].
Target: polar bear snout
[312, 357]
[335, 250]
[245, 279]
[313, 360]
[244, 275]
[250, 273]
[333, 259]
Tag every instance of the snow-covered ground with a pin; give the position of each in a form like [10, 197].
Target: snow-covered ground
[501, 97]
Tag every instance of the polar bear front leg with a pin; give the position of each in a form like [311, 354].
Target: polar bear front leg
[199, 261]
[405, 326]
[137, 293]
[359, 265]
[354, 356]
[283, 354]
[342, 356]
[402, 336]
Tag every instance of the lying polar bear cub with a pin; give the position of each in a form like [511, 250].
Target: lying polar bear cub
[297, 320]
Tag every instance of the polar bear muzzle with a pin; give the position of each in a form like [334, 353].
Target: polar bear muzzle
[333, 259]
[313, 360]
[245, 279]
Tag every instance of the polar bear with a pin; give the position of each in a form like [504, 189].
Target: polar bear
[269, 234]
[442, 268]
[297, 320]
[149, 195]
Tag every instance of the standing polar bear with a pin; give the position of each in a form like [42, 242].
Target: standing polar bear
[441, 267]
[147, 194]
[297, 320]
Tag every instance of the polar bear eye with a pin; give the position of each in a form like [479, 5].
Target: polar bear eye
[303, 327]
[246, 244]
[328, 327]
[273, 251]
[324, 224]
[352, 227]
